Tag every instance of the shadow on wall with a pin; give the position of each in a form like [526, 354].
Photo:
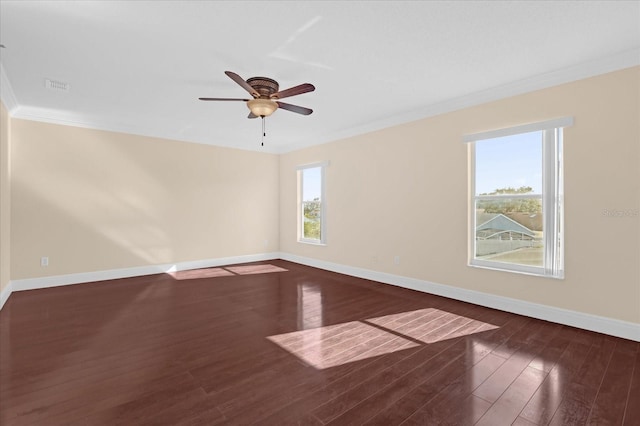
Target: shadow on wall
[72, 242]
[92, 207]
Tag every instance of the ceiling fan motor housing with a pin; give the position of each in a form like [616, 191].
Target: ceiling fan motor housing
[264, 86]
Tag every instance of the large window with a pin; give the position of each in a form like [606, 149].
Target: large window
[311, 205]
[517, 199]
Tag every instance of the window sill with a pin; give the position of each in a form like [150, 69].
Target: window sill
[523, 271]
[312, 242]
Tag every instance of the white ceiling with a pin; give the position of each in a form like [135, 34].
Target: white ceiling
[140, 66]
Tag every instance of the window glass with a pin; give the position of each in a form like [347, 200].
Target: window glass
[517, 202]
[311, 204]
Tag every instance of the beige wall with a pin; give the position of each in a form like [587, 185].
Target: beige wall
[5, 198]
[93, 200]
[402, 192]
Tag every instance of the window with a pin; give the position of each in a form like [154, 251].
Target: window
[311, 216]
[516, 201]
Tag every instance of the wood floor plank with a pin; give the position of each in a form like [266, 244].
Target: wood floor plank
[87, 400]
[517, 362]
[583, 388]
[278, 343]
[544, 403]
[610, 403]
[523, 422]
[632, 411]
[511, 402]
[469, 411]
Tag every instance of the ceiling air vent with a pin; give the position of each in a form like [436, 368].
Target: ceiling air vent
[60, 86]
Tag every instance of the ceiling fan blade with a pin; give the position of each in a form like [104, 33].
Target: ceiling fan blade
[223, 99]
[252, 115]
[235, 77]
[295, 108]
[293, 91]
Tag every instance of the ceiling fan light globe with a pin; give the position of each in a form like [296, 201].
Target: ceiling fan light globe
[262, 107]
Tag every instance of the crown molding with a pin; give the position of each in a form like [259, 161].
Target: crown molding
[7, 95]
[619, 61]
[52, 116]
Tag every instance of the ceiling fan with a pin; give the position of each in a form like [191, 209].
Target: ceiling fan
[266, 95]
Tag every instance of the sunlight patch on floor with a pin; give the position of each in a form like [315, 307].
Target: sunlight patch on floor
[338, 344]
[227, 271]
[255, 269]
[194, 274]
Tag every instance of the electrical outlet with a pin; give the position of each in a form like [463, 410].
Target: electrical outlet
[396, 260]
[44, 261]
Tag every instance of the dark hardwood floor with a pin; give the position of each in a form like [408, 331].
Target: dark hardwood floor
[277, 343]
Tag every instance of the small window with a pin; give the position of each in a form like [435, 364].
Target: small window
[517, 199]
[311, 205]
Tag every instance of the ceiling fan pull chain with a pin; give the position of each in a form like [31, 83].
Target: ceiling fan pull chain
[263, 131]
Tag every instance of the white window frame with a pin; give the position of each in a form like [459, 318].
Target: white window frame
[323, 204]
[552, 197]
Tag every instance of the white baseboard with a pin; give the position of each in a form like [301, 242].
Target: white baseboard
[610, 326]
[4, 295]
[85, 277]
